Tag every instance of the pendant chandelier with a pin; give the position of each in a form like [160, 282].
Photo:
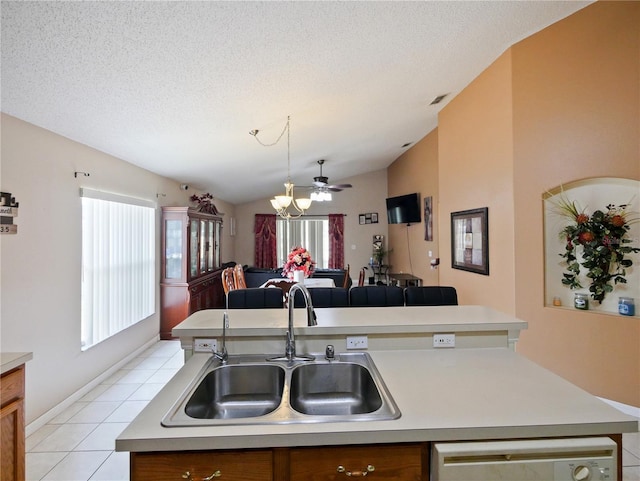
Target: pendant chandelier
[286, 205]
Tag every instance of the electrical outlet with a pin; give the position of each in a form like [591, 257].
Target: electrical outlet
[444, 340]
[205, 345]
[357, 342]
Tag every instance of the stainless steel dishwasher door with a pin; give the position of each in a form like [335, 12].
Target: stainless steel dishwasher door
[567, 459]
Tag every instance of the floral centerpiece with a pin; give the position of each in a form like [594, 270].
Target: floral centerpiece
[603, 239]
[299, 259]
[204, 203]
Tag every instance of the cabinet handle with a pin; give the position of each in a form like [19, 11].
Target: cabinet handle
[369, 469]
[187, 475]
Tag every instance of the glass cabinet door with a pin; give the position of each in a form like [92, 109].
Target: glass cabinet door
[216, 244]
[203, 246]
[193, 247]
[210, 246]
[173, 249]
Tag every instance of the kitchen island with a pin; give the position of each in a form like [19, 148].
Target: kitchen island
[452, 394]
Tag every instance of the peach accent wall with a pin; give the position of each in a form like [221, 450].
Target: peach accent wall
[561, 105]
[415, 171]
[476, 170]
[576, 98]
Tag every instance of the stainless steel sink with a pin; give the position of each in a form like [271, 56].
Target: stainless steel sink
[251, 390]
[237, 391]
[333, 389]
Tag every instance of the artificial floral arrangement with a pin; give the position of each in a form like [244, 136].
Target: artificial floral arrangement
[299, 259]
[204, 203]
[603, 239]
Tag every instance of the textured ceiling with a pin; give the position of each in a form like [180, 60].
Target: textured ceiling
[175, 87]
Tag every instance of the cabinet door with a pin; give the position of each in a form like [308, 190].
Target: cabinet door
[388, 462]
[173, 249]
[12, 467]
[196, 466]
[194, 246]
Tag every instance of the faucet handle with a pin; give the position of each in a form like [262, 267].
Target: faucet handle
[330, 353]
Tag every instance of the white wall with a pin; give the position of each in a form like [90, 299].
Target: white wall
[40, 266]
[367, 195]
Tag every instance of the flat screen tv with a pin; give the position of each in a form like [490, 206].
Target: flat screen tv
[404, 209]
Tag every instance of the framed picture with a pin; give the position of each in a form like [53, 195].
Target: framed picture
[374, 217]
[428, 218]
[470, 240]
[361, 218]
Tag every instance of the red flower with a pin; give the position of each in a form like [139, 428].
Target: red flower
[585, 237]
[582, 218]
[617, 220]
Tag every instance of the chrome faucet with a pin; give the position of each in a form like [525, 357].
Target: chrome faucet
[223, 355]
[290, 347]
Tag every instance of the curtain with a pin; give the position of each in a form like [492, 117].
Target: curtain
[265, 241]
[336, 241]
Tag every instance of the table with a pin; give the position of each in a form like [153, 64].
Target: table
[308, 282]
[405, 280]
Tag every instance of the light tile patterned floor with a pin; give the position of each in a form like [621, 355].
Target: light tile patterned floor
[77, 445]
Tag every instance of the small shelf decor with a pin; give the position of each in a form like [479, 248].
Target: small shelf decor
[599, 243]
[298, 261]
[204, 203]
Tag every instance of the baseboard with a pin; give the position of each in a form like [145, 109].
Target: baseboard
[625, 408]
[36, 424]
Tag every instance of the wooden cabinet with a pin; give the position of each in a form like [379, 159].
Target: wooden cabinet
[12, 467]
[246, 465]
[389, 462]
[190, 271]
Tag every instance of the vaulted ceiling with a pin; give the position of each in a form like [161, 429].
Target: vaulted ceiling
[175, 87]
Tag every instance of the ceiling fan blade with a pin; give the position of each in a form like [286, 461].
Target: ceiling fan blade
[339, 186]
[333, 188]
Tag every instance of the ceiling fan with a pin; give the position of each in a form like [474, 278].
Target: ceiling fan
[323, 182]
[321, 189]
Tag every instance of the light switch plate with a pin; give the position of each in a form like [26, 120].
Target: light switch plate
[357, 342]
[444, 340]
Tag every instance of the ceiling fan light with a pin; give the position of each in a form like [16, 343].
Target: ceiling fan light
[304, 203]
[327, 196]
[315, 196]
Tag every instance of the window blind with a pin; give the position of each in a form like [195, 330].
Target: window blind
[118, 264]
[312, 234]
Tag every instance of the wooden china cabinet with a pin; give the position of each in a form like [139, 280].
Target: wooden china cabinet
[191, 273]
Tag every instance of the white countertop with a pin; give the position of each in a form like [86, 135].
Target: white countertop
[447, 394]
[350, 320]
[11, 360]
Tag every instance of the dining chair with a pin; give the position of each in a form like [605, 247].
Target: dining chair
[361, 277]
[347, 278]
[285, 286]
[238, 277]
[325, 297]
[376, 296]
[228, 281]
[430, 296]
[255, 298]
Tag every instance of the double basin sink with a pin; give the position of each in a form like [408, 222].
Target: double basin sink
[248, 389]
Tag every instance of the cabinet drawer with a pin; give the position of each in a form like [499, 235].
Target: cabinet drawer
[399, 462]
[250, 465]
[12, 386]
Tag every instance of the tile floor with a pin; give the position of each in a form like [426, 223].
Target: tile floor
[77, 445]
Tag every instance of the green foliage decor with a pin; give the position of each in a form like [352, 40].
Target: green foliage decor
[603, 239]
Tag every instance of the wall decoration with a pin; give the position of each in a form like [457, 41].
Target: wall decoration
[368, 218]
[470, 240]
[428, 218]
[591, 242]
[8, 211]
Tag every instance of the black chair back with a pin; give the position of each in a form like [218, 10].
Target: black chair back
[431, 296]
[324, 297]
[255, 298]
[376, 296]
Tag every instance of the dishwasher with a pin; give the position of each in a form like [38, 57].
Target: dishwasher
[567, 459]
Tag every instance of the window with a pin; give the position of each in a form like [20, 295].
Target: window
[312, 234]
[118, 264]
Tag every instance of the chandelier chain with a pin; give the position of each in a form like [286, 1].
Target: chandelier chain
[286, 128]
